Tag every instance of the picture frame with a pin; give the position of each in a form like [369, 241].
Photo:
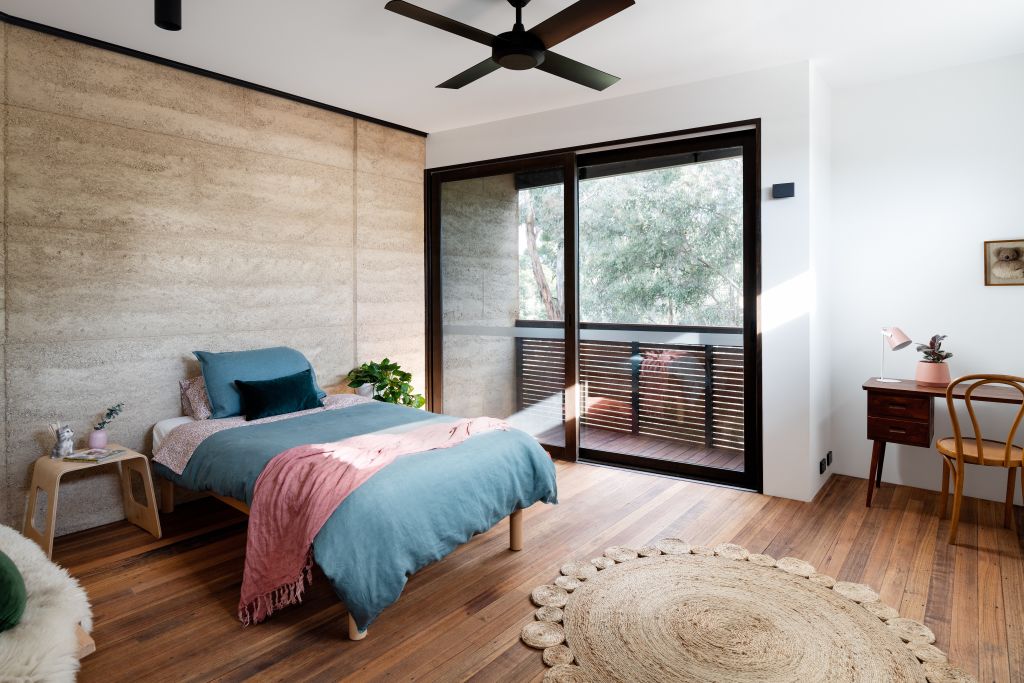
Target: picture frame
[1004, 263]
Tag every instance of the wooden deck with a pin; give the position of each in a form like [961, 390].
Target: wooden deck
[165, 610]
[649, 447]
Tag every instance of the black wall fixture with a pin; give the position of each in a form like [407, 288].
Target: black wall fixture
[167, 14]
[783, 190]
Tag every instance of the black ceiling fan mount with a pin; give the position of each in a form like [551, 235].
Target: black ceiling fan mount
[521, 49]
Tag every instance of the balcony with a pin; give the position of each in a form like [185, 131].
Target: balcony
[664, 393]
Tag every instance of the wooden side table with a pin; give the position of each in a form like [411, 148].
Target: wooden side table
[46, 476]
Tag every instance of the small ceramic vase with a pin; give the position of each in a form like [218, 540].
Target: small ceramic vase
[98, 438]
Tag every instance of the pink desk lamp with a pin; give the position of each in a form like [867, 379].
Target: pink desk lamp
[896, 340]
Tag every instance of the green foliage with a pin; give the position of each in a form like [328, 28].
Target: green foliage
[108, 417]
[662, 247]
[932, 351]
[390, 383]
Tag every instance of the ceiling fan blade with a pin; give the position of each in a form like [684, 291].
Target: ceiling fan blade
[575, 18]
[439, 21]
[557, 65]
[471, 74]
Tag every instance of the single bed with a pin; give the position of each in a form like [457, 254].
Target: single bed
[411, 513]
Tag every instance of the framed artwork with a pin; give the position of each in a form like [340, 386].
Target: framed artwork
[1004, 262]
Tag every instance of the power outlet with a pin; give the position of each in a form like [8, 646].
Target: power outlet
[828, 459]
[821, 466]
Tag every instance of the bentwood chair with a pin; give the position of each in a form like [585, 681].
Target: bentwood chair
[958, 450]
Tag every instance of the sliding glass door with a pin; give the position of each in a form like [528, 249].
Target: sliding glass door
[604, 302]
[662, 307]
[502, 297]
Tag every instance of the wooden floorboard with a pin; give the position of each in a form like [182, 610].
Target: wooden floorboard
[165, 610]
[648, 446]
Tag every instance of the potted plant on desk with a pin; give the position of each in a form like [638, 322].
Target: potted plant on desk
[933, 371]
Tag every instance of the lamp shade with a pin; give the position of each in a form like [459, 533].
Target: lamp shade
[896, 338]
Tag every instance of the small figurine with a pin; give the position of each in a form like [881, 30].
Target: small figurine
[64, 441]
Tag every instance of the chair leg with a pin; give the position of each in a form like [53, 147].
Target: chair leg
[944, 499]
[958, 493]
[1011, 482]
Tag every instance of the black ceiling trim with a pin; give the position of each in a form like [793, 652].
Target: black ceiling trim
[43, 28]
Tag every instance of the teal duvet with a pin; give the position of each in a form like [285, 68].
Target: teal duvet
[413, 512]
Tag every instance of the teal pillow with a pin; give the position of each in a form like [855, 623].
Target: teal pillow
[278, 396]
[222, 370]
[12, 594]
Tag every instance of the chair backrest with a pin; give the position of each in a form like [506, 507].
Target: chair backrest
[977, 381]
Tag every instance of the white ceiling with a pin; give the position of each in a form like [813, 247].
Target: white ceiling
[354, 54]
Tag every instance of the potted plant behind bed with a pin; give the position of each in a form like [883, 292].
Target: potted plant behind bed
[388, 381]
[933, 370]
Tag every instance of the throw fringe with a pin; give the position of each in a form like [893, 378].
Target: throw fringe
[284, 595]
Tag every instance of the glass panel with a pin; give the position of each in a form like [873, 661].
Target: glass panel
[664, 246]
[502, 246]
[661, 308]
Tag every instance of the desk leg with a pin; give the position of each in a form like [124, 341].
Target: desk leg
[875, 474]
[881, 463]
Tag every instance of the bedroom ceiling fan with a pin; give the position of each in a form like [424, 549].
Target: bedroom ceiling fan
[520, 49]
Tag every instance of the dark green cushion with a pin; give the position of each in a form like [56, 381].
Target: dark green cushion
[279, 396]
[12, 594]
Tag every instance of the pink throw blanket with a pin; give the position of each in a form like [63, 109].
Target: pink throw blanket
[298, 491]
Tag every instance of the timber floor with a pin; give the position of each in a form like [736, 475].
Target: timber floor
[165, 610]
[646, 446]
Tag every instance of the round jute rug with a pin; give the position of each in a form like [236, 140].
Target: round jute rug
[724, 617]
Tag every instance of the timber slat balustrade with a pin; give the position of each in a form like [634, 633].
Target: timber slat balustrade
[697, 396]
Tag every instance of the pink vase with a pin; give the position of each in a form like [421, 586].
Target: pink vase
[932, 374]
[98, 438]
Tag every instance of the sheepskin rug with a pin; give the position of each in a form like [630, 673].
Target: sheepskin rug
[43, 646]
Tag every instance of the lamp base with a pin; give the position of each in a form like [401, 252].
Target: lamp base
[888, 381]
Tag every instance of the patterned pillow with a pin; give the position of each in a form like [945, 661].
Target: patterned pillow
[194, 401]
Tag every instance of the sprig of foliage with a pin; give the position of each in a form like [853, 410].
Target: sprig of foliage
[932, 351]
[390, 383]
[108, 417]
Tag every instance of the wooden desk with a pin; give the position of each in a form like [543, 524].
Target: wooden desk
[904, 413]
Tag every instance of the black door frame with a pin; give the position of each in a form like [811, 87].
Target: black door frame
[566, 162]
[744, 134]
[747, 141]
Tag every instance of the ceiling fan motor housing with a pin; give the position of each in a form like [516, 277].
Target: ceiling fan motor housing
[518, 50]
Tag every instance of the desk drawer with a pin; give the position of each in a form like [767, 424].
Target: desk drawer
[907, 432]
[899, 407]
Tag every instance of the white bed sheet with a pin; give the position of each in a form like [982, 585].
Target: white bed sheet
[162, 428]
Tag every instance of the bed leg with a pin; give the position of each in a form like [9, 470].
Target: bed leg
[166, 495]
[353, 631]
[515, 530]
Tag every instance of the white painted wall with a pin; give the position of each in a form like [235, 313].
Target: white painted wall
[820, 192]
[924, 169]
[780, 97]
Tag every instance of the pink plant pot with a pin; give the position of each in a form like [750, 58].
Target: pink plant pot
[98, 438]
[932, 374]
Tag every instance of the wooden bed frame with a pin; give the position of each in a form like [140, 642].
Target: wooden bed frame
[515, 532]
